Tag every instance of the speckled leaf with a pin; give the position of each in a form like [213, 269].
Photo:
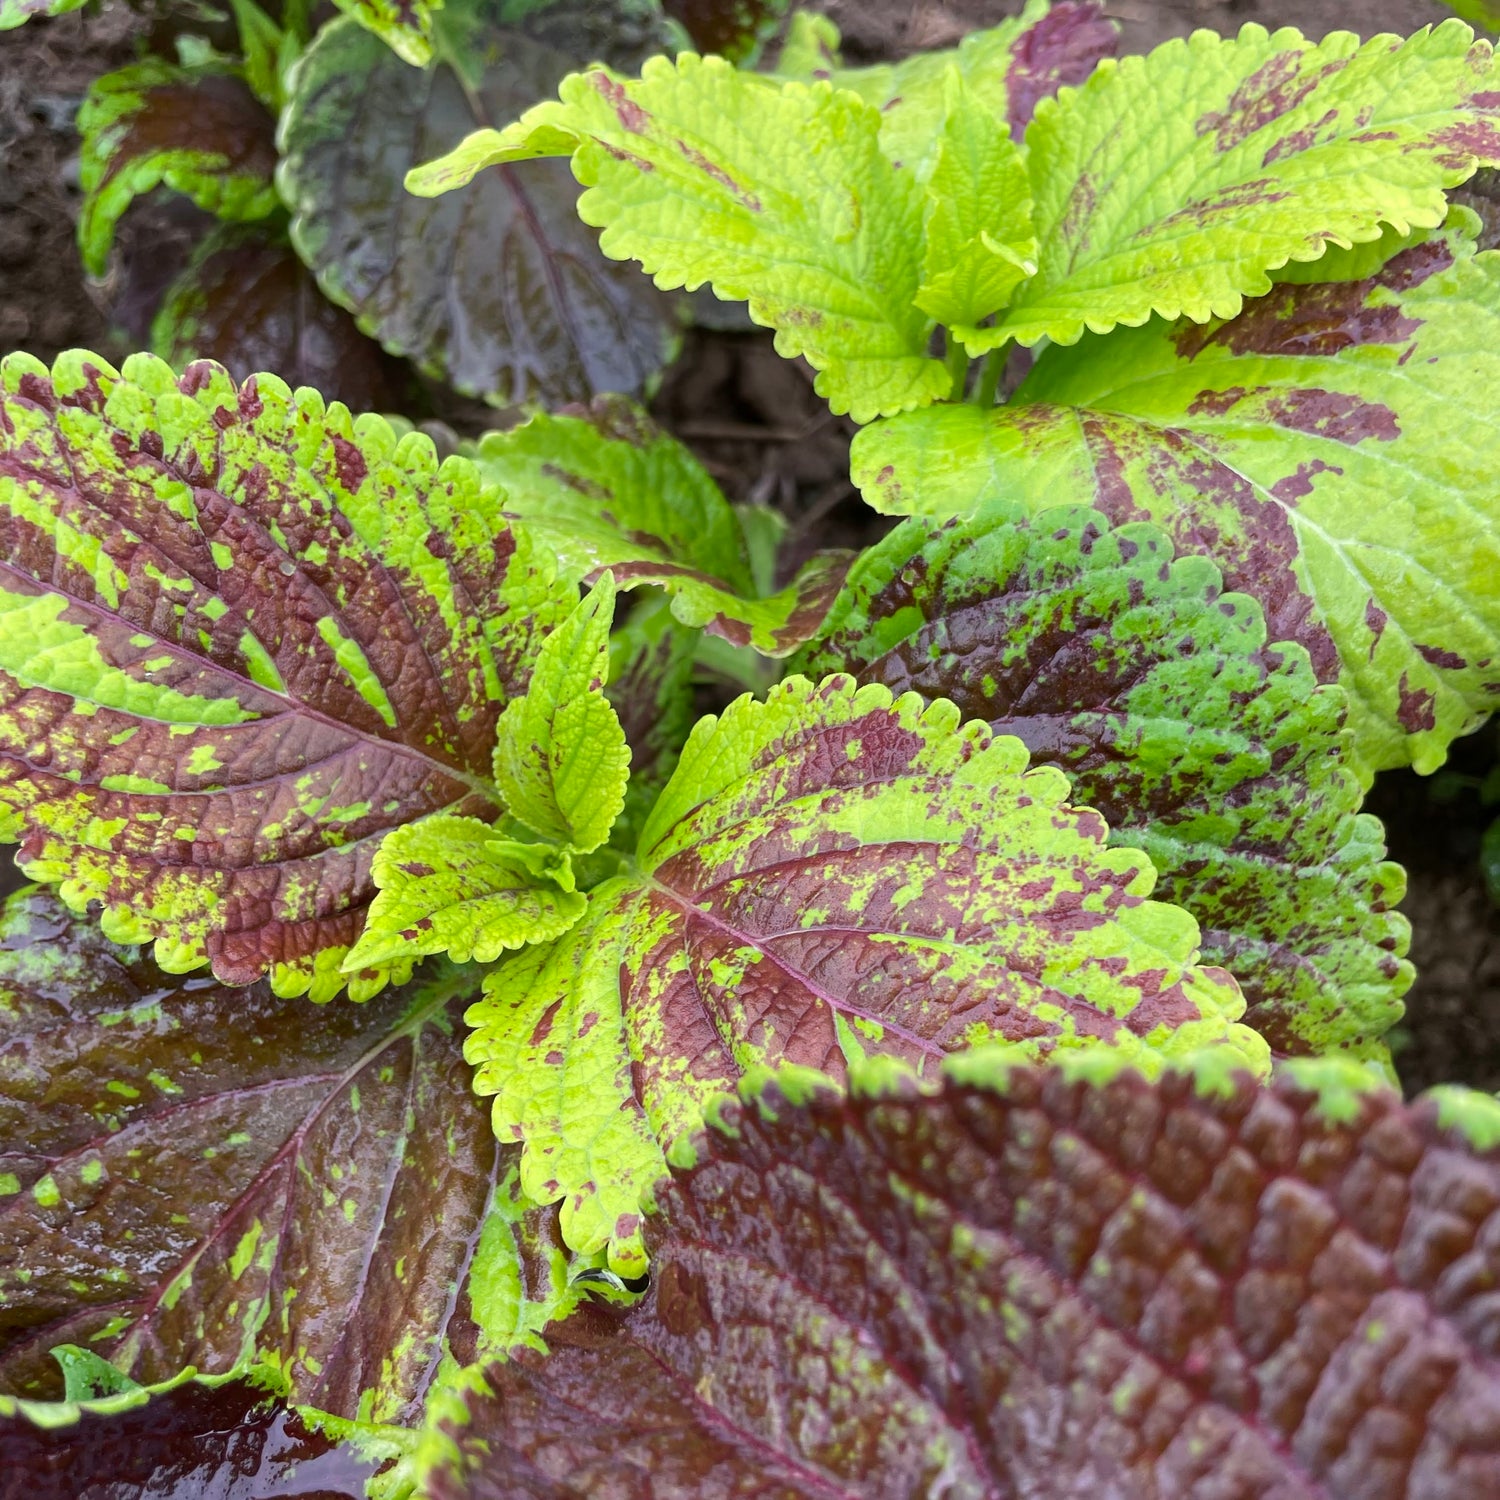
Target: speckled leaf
[651, 687]
[1010, 67]
[606, 488]
[773, 194]
[499, 290]
[15, 13]
[450, 885]
[197, 1175]
[1038, 1285]
[1320, 447]
[246, 302]
[405, 26]
[199, 131]
[1173, 183]
[241, 639]
[1214, 751]
[827, 871]
[736, 29]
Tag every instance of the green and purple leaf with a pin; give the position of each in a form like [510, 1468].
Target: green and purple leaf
[606, 488]
[498, 290]
[830, 871]
[405, 26]
[15, 13]
[199, 131]
[1319, 447]
[1041, 1283]
[246, 302]
[1200, 742]
[254, 635]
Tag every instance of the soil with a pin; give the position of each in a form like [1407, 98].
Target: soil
[756, 422]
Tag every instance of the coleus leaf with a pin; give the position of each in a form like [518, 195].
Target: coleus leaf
[255, 635]
[200, 131]
[499, 291]
[1173, 183]
[405, 26]
[606, 488]
[1313, 446]
[735, 29]
[561, 760]
[829, 870]
[15, 13]
[1476, 12]
[1011, 68]
[778, 196]
[246, 302]
[195, 1176]
[1200, 742]
[1042, 1282]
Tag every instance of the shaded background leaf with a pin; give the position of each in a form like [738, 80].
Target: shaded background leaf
[1032, 1284]
[498, 290]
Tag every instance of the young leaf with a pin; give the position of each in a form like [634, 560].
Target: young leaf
[1033, 1284]
[1010, 68]
[1319, 446]
[500, 290]
[979, 240]
[606, 488]
[561, 761]
[778, 196]
[255, 636]
[1173, 183]
[194, 1176]
[200, 131]
[450, 885]
[15, 13]
[246, 302]
[405, 26]
[735, 29]
[1213, 751]
[830, 870]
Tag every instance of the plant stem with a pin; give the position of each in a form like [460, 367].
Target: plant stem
[957, 362]
[989, 378]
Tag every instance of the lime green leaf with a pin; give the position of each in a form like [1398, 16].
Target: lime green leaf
[778, 196]
[243, 637]
[1321, 447]
[979, 242]
[1201, 743]
[1173, 183]
[830, 870]
[450, 885]
[606, 488]
[15, 13]
[561, 761]
[200, 131]
[405, 26]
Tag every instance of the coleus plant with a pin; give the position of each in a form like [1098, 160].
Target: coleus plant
[1023, 1193]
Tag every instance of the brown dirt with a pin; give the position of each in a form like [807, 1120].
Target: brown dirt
[760, 428]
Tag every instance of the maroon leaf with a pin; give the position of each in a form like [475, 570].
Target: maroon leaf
[1061, 48]
[1033, 1285]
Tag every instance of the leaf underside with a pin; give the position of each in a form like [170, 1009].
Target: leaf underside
[1319, 447]
[827, 872]
[1201, 743]
[499, 290]
[1030, 1285]
[256, 635]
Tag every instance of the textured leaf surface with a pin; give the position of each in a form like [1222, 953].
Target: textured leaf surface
[15, 13]
[196, 1175]
[561, 761]
[246, 302]
[198, 131]
[498, 290]
[606, 488]
[1320, 447]
[1036, 1286]
[1173, 183]
[1214, 751]
[1010, 67]
[827, 871]
[778, 196]
[405, 26]
[253, 637]
[230, 1443]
